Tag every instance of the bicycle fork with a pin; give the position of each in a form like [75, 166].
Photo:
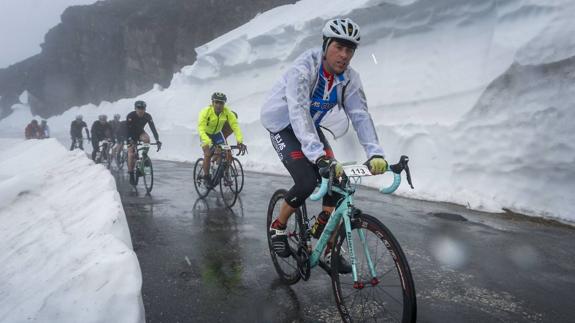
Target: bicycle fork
[326, 235]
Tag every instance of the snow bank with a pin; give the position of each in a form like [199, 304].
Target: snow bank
[436, 75]
[65, 247]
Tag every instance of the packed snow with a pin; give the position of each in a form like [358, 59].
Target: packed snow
[65, 246]
[475, 92]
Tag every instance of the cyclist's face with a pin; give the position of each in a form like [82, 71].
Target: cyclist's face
[140, 112]
[218, 106]
[337, 57]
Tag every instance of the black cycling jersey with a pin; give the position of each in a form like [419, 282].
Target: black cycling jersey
[121, 133]
[76, 128]
[136, 125]
[101, 131]
[114, 125]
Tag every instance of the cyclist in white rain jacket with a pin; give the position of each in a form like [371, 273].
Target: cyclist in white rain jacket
[319, 90]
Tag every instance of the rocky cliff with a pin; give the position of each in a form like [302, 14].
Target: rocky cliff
[119, 48]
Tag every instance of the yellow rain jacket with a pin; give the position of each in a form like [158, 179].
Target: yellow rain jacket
[209, 123]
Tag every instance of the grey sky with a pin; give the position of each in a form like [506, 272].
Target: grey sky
[23, 24]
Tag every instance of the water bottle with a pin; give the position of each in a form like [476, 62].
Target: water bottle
[319, 224]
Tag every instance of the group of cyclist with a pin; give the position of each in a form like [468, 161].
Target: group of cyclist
[319, 86]
[35, 130]
[118, 132]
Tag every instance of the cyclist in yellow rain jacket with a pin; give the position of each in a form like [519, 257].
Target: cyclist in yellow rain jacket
[215, 123]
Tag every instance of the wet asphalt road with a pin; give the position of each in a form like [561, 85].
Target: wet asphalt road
[203, 263]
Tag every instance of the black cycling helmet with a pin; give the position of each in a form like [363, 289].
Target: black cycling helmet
[219, 96]
[140, 105]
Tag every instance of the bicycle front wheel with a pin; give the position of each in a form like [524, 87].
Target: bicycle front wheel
[287, 268]
[148, 174]
[120, 159]
[384, 291]
[239, 173]
[108, 158]
[229, 186]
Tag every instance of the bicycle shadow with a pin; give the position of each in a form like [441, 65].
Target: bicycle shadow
[216, 202]
[219, 247]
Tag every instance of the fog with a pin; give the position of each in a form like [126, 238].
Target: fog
[23, 24]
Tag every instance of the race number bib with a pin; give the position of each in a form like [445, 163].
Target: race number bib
[356, 170]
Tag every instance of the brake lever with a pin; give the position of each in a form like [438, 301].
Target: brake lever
[408, 173]
[331, 175]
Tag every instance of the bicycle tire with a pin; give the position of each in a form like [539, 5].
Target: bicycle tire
[199, 184]
[240, 173]
[229, 186]
[398, 274]
[108, 159]
[286, 268]
[120, 159]
[148, 174]
[137, 175]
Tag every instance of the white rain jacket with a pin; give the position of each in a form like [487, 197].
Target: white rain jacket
[288, 103]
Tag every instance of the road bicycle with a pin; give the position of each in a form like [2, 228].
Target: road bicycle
[121, 157]
[380, 286]
[222, 174]
[103, 155]
[143, 165]
[78, 143]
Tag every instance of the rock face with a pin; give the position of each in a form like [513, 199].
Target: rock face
[119, 48]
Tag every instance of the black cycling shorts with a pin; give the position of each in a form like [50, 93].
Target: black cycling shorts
[304, 173]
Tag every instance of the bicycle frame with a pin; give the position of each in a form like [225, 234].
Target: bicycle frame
[342, 211]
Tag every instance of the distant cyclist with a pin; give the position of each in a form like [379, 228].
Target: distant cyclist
[135, 122]
[215, 123]
[76, 132]
[32, 130]
[44, 130]
[101, 130]
[318, 87]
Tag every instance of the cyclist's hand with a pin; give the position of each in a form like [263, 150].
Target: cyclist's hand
[242, 148]
[376, 164]
[324, 164]
[159, 145]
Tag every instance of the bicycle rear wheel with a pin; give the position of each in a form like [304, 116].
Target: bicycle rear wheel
[387, 297]
[229, 186]
[239, 173]
[201, 186]
[148, 174]
[108, 158]
[287, 268]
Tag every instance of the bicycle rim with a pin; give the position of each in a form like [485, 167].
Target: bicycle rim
[229, 186]
[239, 173]
[148, 174]
[120, 159]
[286, 268]
[391, 298]
[199, 183]
[108, 160]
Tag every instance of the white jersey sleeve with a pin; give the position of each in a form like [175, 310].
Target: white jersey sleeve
[355, 105]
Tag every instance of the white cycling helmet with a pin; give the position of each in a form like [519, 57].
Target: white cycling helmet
[342, 29]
